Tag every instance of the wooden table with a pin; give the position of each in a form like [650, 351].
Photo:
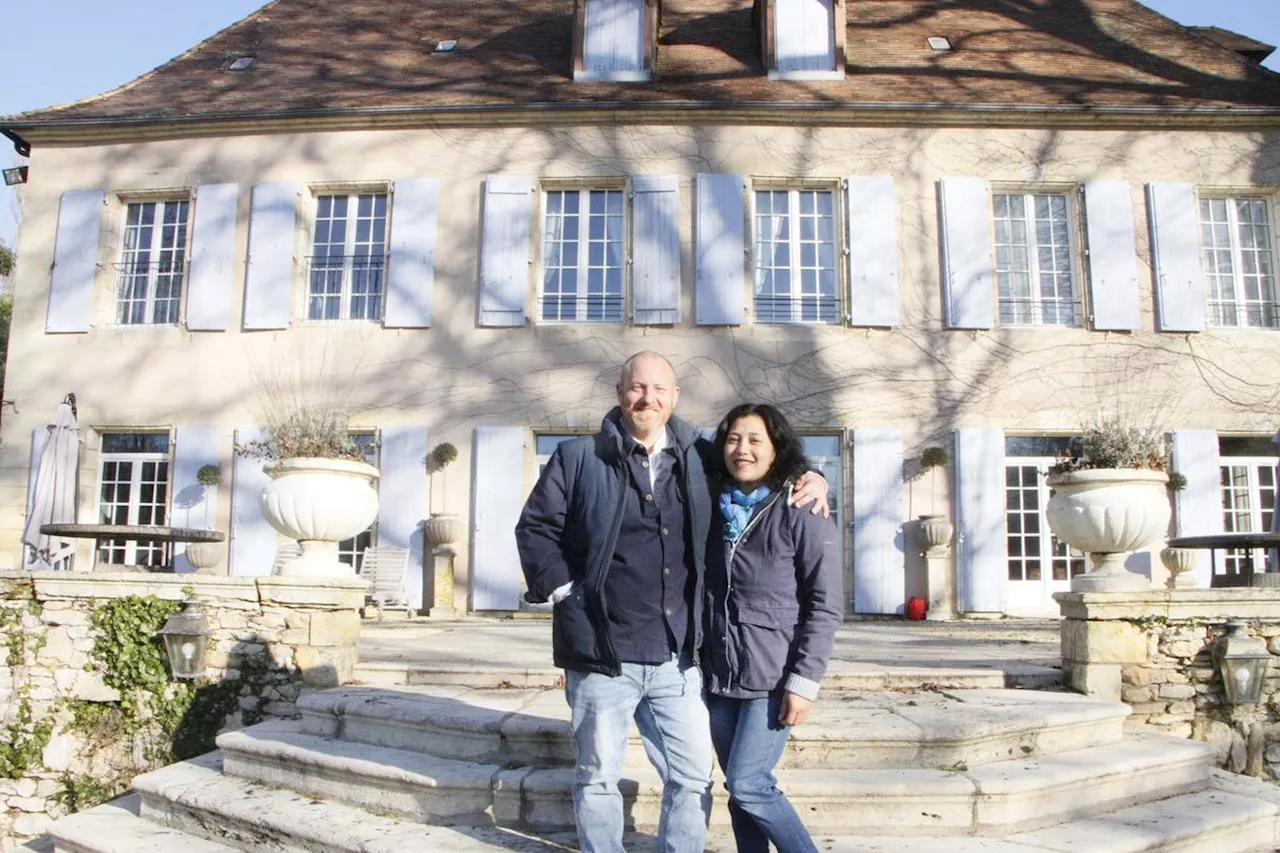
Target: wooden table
[101, 533]
[1220, 541]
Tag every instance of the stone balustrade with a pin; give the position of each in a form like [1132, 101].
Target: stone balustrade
[272, 638]
[1153, 649]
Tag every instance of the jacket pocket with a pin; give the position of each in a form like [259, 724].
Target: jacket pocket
[764, 644]
[573, 634]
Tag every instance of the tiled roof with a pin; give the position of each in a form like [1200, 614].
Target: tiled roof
[337, 56]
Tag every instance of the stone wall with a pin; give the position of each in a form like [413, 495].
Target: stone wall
[1154, 651]
[66, 737]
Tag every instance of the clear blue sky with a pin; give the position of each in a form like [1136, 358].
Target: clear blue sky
[62, 50]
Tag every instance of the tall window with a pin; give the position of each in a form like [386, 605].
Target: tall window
[153, 262]
[583, 256]
[545, 445]
[1248, 482]
[1239, 261]
[348, 258]
[351, 551]
[795, 256]
[1034, 273]
[134, 489]
[1035, 554]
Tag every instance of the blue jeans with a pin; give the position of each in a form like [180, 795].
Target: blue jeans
[666, 702]
[749, 741]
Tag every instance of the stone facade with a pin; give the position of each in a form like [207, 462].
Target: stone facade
[1154, 651]
[271, 639]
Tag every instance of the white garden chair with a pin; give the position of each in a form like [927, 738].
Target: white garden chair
[383, 566]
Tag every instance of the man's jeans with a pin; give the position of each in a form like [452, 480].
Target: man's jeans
[666, 702]
[749, 741]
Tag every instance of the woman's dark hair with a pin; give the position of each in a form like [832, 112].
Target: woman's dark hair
[789, 462]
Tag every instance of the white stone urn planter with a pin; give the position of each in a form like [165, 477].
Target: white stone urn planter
[935, 534]
[1108, 513]
[320, 502]
[203, 555]
[442, 528]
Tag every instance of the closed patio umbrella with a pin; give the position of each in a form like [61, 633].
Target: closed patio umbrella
[54, 500]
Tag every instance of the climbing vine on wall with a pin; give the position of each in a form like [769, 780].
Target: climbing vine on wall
[23, 738]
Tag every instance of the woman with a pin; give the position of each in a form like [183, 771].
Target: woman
[775, 589]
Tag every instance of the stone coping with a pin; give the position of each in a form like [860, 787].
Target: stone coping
[1203, 604]
[236, 592]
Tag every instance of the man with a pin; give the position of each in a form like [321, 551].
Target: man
[614, 534]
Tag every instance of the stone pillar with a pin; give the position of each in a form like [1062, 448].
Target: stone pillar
[323, 624]
[441, 583]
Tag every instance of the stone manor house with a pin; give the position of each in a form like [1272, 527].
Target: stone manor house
[971, 225]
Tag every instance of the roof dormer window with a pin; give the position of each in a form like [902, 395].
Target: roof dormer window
[614, 40]
[804, 39]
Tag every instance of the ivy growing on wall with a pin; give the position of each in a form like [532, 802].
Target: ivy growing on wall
[23, 739]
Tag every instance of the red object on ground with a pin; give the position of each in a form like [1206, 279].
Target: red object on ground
[916, 608]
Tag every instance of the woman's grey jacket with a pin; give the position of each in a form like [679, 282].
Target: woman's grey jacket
[775, 599]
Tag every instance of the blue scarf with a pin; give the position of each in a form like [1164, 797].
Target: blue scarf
[737, 508]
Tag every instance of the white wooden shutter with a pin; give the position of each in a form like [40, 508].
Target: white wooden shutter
[879, 582]
[194, 505]
[980, 521]
[402, 499]
[1198, 507]
[213, 248]
[39, 439]
[873, 250]
[253, 540]
[504, 253]
[411, 269]
[268, 284]
[721, 283]
[1113, 259]
[968, 277]
[613, 41]
[1175, 257]
[497, 497]
[803, 38]
[75, 261]
[655, 268]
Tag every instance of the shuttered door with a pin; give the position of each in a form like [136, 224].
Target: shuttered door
[613, 40]
[402, 499]
[497, 497]
[1198, 507]
[879, 583]
[804, 39]
[194, 505]
[980, 520]
[253, 540]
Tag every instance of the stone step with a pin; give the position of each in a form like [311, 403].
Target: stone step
[993, 798]
[842, 676]
[1234, 815]
[116, 828]
[920, 729]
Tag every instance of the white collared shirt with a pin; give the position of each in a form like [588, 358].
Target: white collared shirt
[659, 462]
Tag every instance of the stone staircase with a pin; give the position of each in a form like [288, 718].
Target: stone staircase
[457, 769]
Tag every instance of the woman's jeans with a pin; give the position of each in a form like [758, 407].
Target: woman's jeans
[666, 702]
[749, 741]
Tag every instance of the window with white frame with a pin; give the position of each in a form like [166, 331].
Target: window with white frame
[1238, 256]
[1034, 553]
[347, 269]
[1035, 264]
[133, 489]
[795, 276]
[351, 551]
[545, 444]
[1248, 482]
[583, 255]
[153, 262]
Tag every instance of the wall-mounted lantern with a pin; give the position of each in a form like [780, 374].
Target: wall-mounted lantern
[1243, 661]
[186, 637]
